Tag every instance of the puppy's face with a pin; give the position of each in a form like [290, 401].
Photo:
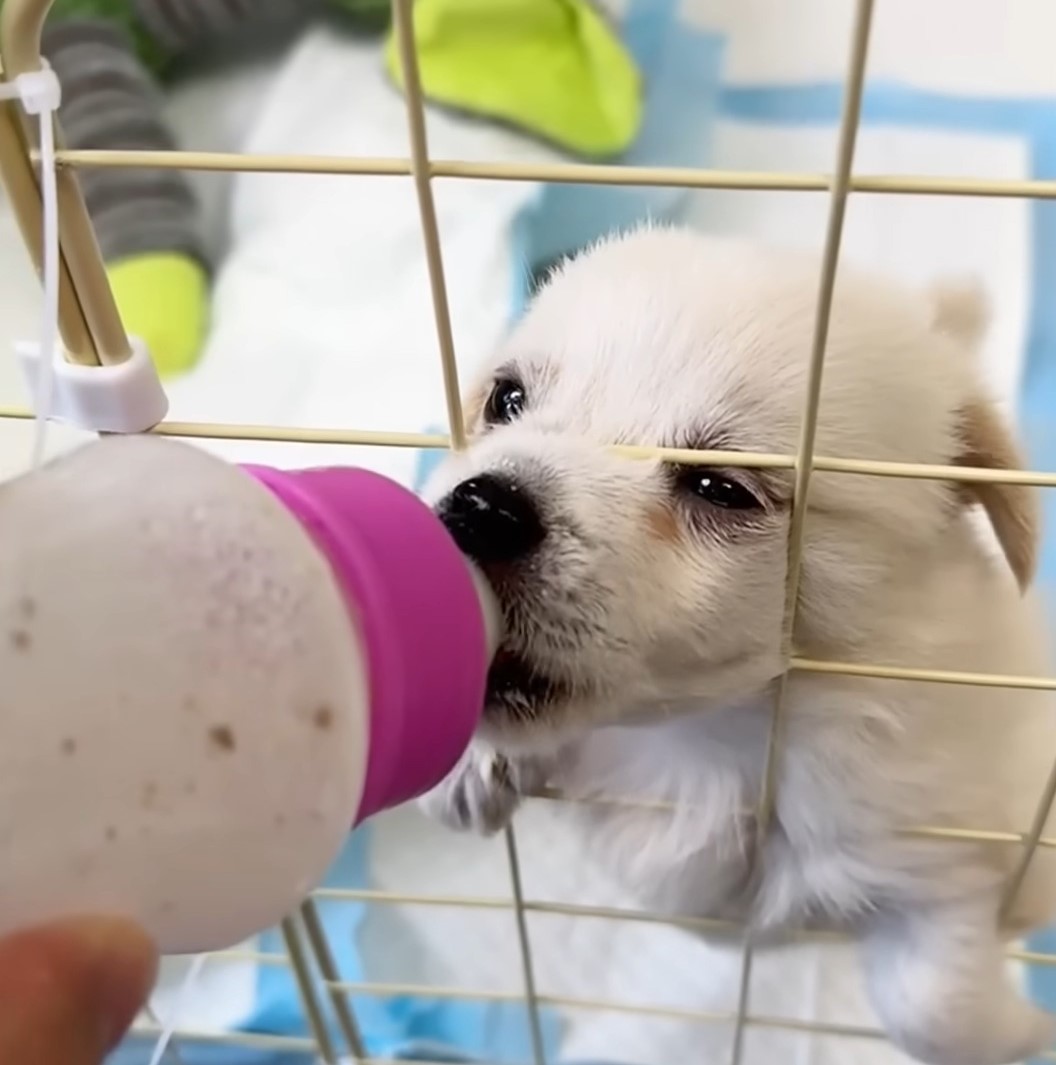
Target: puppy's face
[632, 587]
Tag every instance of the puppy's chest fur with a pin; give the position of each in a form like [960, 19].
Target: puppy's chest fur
[671, 809]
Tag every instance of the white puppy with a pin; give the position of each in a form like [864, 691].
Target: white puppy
[643, 605]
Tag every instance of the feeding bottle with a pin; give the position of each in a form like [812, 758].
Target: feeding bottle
[209, 673]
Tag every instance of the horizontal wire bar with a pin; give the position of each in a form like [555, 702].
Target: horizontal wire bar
[1032, 957]
[976, 835]
[559, 909]
[402, 898]
[575, 1002]
[610, 913]
[788, 1024]
[369, 989]
[566, 1001]
[930, 676]
[276, 434]
[467, 994]
[929, 472]
[962, 835]
[240, 957]
[737, 459]
[560, 173]
[261, 1041]
[251, 1040]
[305, 435]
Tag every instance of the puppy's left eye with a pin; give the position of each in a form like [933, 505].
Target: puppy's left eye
[506, 401]
[716, 489]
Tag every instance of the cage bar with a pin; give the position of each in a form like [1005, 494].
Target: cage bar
[559, 173]
[403, 17]
[854, 83]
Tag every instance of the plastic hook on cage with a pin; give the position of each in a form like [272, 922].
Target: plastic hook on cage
[126, 397]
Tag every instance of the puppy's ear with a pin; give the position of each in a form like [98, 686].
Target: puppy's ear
[983, 439]
[959, 311]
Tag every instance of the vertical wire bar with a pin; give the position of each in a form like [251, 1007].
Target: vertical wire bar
[19, 179]
[346, 1017]
[808, 430]
[421, 173]
[854, 82]
[1033, 839]
[172, 1051]
[90, 322]
[303, 974]
[744, 995]
[528, 970]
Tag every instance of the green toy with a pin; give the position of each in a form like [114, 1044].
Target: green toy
[554, 68]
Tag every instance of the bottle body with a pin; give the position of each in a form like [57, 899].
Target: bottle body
[186, 696]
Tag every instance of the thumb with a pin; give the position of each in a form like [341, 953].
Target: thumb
[70, 990]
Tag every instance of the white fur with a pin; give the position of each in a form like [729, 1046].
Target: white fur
[671, 644]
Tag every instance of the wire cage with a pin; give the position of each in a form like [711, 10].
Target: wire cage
[92, 334]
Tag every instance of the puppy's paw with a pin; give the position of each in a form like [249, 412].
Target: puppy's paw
[1002, 1031]
[938, 982]
[482, 793]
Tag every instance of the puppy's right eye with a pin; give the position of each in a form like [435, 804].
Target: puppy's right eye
[716, 489]
[505, 403]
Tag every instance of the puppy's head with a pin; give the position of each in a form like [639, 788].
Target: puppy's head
[630, 587]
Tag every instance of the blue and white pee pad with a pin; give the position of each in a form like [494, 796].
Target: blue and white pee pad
[323, 318]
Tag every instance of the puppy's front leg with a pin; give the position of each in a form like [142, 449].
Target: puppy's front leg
[483, 791]
[937, 980]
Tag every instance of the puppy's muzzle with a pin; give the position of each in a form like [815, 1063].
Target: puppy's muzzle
[492, 519]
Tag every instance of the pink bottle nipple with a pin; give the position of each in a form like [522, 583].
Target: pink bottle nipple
[418, 611]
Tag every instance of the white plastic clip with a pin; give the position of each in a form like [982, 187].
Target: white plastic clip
[39, 91]
[124, 398]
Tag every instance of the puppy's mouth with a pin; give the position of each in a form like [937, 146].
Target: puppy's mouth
[520, 691]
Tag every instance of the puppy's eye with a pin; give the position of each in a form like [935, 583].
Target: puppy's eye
[716, 489]
[505, 403]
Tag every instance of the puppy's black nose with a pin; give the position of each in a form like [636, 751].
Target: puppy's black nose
[492, 519]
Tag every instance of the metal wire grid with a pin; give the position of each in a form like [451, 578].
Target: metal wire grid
[93, 335]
